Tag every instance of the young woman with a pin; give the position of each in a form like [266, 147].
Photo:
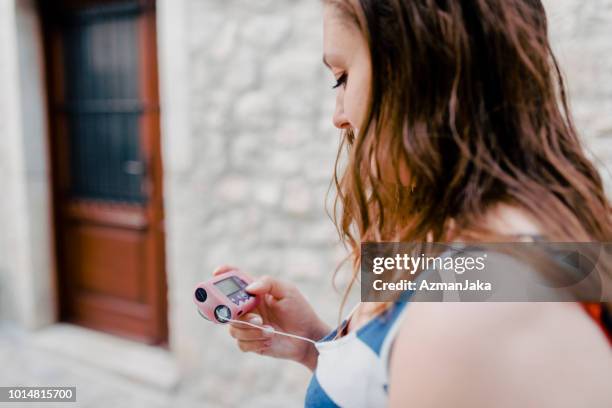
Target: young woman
[457, 129]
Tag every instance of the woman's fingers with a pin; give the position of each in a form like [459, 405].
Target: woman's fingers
[268, 285]
[254, 346]
[249, 334]
[222, 269]
[252, 318]
[225, 268]
[241, 331]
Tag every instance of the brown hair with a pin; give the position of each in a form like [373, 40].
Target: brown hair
[468, 97]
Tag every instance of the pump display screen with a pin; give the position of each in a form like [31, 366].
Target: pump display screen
[227, 286]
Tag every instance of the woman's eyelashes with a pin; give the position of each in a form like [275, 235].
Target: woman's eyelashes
[340, 81]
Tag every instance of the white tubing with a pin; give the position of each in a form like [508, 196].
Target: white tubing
[272, 330]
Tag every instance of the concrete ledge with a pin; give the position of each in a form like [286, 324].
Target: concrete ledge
[138, 362]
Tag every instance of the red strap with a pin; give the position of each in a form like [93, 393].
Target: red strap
[595, 310]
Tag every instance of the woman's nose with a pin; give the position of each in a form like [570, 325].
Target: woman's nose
[340, 120]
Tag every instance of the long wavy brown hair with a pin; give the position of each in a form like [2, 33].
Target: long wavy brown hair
[468, 98]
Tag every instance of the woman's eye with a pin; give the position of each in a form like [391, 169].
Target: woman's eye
[340, 81]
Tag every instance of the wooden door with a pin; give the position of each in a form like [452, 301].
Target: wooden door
[105, 148]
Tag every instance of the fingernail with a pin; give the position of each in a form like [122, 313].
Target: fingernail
[268, 330]
[255, 320]
[253, 286]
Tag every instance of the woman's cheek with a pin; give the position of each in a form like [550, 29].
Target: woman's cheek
[356, 100]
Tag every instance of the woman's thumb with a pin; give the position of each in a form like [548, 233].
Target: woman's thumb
[268, 284]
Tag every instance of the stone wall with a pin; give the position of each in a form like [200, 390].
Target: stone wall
[581, 33]
[25, 259]
[5, 298]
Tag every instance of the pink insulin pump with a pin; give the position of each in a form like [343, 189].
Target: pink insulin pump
[223, 297]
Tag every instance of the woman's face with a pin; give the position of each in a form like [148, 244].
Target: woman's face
[346, 54]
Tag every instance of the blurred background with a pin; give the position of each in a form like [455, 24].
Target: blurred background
[142, 144]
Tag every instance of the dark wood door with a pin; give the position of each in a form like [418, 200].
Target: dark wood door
[105, 148]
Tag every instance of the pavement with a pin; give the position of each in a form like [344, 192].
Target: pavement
[24, 361]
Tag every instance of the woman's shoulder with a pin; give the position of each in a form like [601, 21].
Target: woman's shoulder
[484, 351]
[508, 319]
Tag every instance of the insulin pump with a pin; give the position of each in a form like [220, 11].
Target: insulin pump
[223, 298]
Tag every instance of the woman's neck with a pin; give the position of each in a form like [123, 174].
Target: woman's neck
[511, 220]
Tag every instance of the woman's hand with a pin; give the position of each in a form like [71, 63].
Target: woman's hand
[285, 309]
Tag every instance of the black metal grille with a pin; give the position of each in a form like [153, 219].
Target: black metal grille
[102, 104]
